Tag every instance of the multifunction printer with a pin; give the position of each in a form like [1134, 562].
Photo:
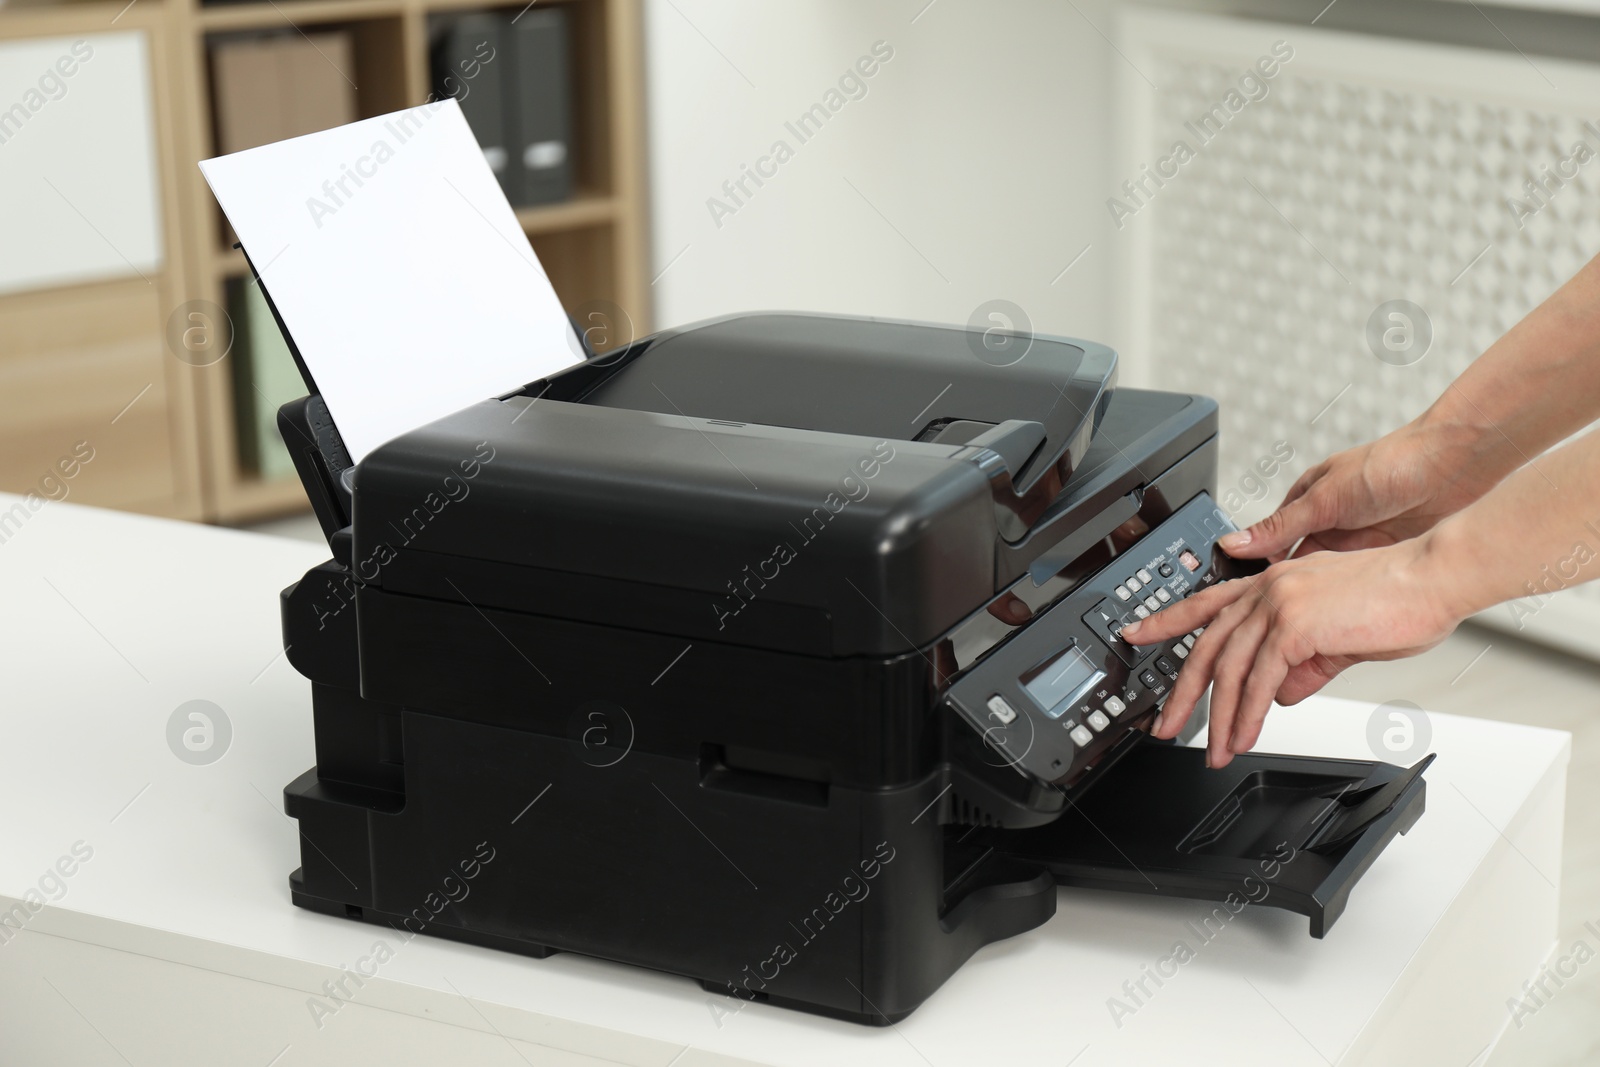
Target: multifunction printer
[780, 652]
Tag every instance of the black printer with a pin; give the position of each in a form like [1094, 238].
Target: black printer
[780, 652]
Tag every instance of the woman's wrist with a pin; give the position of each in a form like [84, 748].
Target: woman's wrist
[1464, 447]
[1448, 569]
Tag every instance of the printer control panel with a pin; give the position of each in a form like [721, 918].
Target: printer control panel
[1065, 689]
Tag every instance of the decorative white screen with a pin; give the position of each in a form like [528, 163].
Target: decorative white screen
[1362, 171]
[78, 161]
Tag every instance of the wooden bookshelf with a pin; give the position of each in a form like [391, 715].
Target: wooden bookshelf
[89, 361]
[593, 245]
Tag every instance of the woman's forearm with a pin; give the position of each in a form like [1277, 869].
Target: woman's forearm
[1536, 386]
[1535, 533]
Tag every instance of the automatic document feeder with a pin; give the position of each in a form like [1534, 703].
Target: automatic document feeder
[780, 652]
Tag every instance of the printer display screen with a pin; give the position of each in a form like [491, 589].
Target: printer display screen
[1060, 681]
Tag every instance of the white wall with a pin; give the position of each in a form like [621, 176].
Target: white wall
[985, 142]
[982, 141]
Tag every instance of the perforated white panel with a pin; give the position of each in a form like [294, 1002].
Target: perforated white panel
[1363, 171]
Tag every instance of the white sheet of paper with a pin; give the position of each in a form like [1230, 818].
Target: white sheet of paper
[398, 266]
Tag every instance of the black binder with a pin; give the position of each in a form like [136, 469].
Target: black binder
[539, 108]
[472, 62]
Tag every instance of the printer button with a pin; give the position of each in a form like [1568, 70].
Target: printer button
[1152, 603]
[1181, 651]
[1142, 612]
[1122, 593]
[1115, 706]
[1149, 678]
[1163, 594]
[1106, 619]
[1081, 736]
[1098, 720]
[1198, 630]
[1144, 576]
[1188, 640]
[1165, 570]
[1164, 665]
[1002, 710]
[1133, 585]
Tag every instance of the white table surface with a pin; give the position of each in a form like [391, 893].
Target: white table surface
[108, 622]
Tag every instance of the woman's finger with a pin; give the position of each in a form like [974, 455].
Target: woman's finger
[1228, 677]
[1277, 533]
[1303, 484]
[1271, 538]
[1309, 677]
[1271, 667]
[1195, 674]
[1188, 614]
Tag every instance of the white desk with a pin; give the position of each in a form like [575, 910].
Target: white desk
[176, 943]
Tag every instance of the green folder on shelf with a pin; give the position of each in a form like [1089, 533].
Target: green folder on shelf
[264, 379]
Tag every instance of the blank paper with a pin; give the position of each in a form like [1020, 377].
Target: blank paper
[398, 267]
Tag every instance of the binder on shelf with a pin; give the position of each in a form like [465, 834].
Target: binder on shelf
[270, 88]
[471, 63]
[264, 379]
[541, 106]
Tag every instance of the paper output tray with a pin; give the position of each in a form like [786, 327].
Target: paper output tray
[1287, 832]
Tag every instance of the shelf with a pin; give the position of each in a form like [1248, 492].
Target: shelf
[296, 13]
[582, 212]
[443, 6]
[37, 19]
[269, 15]
[578, 213]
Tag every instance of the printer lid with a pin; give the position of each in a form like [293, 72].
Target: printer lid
[1034, 400]
[1030, 404]
[694, 461]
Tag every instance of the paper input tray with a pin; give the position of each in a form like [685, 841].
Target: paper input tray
[1286, 832]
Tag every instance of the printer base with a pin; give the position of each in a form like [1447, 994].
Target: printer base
[822, 897]
[1277, 831]
[1041, 905]
[339, 909]
[810, 1008]
[407, 926]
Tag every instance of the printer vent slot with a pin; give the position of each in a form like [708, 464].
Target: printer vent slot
[755, 772]
[391, 743]
[966, 813]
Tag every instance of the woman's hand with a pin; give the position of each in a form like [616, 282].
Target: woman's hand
[1379, 493]
[1285, 633]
